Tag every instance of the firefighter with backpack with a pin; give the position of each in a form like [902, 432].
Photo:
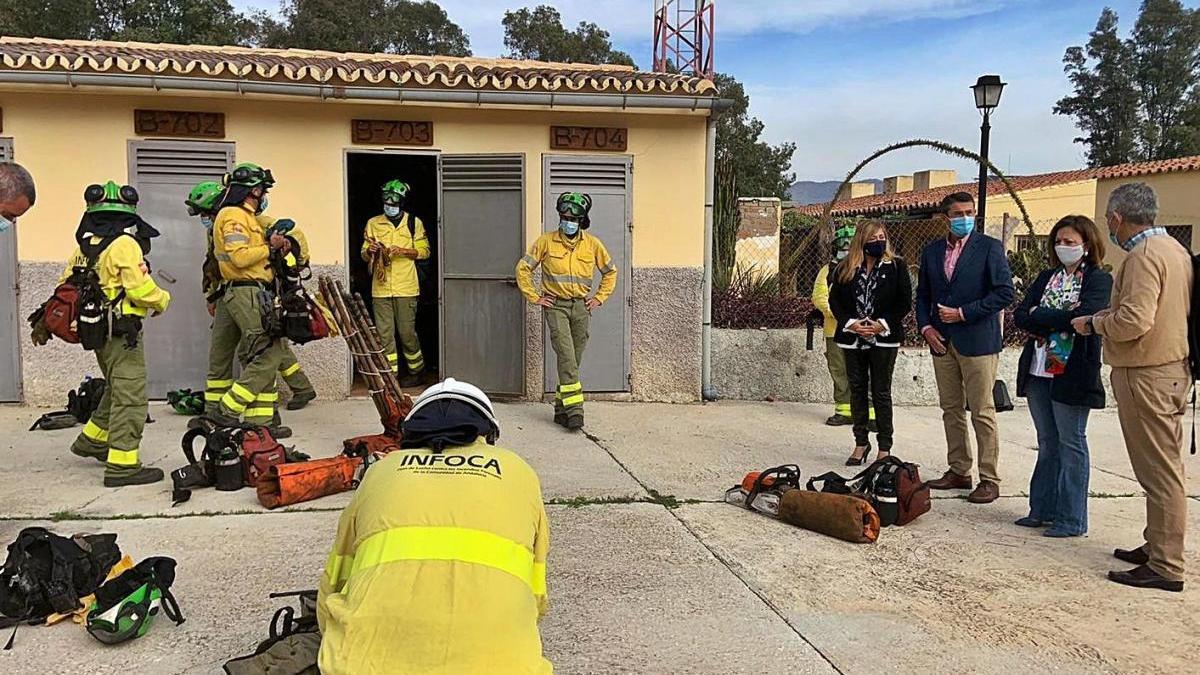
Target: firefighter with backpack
[113, 241]
[242, 247]
[392, 244]
[203, 201]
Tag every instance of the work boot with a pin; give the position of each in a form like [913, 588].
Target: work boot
[220, 419]
[280, 432]
[81, 448]
[413, 380]
[560, 418]
[143, 476]
[837, 420]
[300, 400]
[575, 420]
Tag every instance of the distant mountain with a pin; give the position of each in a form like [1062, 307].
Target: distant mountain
[818, 192]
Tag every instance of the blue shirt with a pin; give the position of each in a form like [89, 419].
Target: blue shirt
[1143, 236]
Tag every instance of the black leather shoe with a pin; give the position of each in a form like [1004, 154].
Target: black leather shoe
[1144, 577]
[1133, 556]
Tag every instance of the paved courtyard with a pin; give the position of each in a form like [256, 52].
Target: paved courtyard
[649, 571]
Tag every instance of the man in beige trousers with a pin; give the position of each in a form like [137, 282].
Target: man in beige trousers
[1146, 343]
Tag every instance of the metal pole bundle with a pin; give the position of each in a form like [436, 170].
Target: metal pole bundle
[350, 313]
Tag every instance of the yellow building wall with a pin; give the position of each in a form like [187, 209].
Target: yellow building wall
[1047, 205]
[1178, 199]
[69, 140]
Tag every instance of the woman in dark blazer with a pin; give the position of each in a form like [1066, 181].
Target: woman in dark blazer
[870, 296]
[1059, 374]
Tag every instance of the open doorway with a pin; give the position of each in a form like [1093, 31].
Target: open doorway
[366, 172]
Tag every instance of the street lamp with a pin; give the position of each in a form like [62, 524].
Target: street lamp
[987, 96]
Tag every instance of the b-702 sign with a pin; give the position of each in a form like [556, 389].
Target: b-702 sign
[179, 123]
[389, 132]
[589, 138]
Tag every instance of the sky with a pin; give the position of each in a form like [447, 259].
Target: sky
[842, 78]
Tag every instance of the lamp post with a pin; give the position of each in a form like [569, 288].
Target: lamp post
[987, 96]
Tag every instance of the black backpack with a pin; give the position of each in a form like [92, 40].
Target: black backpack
[81, 403]
[93, 309]
[46, 574]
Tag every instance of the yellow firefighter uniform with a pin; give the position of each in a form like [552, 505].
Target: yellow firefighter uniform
[567, 267]
[240, 246]
[399, 280]
[439, 566]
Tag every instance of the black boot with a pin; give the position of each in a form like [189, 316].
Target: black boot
[300, 400]
[143, 476]
[575, 420]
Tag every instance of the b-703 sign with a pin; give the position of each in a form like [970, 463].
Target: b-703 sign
[589, 138]
[389, 132]
[179, 123]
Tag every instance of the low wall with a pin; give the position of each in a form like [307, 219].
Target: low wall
[758, 364]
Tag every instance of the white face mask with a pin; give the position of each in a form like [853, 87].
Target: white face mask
[207, 222]
[391, 211]
[1069, 255]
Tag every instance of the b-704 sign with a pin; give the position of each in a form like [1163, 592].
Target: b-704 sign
[389, 132]
[589, 138]
[183, 123]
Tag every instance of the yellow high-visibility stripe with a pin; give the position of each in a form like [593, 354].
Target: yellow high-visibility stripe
[123, 457]
[268, 397]
[393, 357]
[566, 279]
[235, 406]
[290, 370]
[337, 569]
[569, 388]
[569, 401]
[213, 396]
[93, 432]
[241, 392]
[459, 544]
[260, 412]
[146, 288]
[218, 384]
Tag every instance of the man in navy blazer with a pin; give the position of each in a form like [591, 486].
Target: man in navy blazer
[964, 285]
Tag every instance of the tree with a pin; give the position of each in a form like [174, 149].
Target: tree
[201, 22]
[372, 26]
[1104, 104]
[1139, 98]
[762, 169]
[539, 34]
[58, 19]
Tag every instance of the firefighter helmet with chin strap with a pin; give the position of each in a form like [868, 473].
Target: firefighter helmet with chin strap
[843, 235]
[204, 198]
[250, 175]
[576, 206]
[110, 197]
[395, 192]
[125, 606]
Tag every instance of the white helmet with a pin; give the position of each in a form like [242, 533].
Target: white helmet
[452, 389]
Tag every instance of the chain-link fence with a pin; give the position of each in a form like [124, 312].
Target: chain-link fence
[770, 281]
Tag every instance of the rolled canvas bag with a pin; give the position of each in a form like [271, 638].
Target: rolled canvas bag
[844, 517]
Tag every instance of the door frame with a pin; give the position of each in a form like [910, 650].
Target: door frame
[524, 238]
[18, 373]
[626, 294]
[359, 150]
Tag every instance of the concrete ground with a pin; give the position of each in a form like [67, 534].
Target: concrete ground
[649, 571]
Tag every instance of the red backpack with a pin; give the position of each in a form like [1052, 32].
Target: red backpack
[260, 452]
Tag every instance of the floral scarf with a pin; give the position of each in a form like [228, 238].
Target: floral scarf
[1062, 293]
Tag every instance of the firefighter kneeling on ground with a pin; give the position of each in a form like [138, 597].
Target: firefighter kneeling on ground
[203, 201]
[569, 258]
[113, 240]
[440, 559]
[242, 248]
[392, 245]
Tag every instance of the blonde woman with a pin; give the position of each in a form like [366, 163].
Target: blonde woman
[870, 296]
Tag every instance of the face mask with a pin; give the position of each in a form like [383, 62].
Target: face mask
[262, 204]
[568, 227]
[390, 210]
[1069, 255]
[841, 255]
[1116, 242]
[5, 223]
[962, 226]
[207, 222]
[875, 249]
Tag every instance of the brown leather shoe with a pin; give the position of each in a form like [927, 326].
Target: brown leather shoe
[1133, 556]
[950, 481]
[1144, 577]
[986, 493]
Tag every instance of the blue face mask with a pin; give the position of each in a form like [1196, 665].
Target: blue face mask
[5, 223]
[207, 222]
[390, 210]
[262, 204]
[962, 226]
[568, 227]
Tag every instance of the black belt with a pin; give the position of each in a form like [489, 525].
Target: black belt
[248, 284]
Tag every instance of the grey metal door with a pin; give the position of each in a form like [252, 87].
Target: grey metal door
[163, 172]
[609, 180]
[482, 226]
[10, 349]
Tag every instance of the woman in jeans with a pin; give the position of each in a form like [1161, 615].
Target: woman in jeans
[1059, 373]
[870, 296]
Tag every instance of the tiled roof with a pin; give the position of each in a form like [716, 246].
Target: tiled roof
[316, 67]
[927, 199]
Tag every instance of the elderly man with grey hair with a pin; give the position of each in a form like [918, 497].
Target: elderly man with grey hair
[16, 193]
[1146, 343]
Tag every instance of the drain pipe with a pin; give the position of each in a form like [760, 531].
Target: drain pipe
[707, 390]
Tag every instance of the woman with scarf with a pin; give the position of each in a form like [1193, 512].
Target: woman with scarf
[1059, 373]
[870, 296]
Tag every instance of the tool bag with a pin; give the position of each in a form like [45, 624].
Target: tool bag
[892, 486]
[125, 606]
[84, 401]
[293, 645]
[45, 574]
[232, 458]
[846, 517]
[302, 319]
[77, 311]
[287, 484]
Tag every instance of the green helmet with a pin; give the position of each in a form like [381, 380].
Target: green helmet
[204, 198]
[843, 235]
[111, 197]
[250, 175]
[186, 401]
[574, 204]
[125, 606]
[395, 192]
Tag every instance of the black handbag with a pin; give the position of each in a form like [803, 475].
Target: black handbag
[1001, 398]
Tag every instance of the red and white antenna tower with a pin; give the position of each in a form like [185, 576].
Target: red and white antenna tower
[683, 36]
